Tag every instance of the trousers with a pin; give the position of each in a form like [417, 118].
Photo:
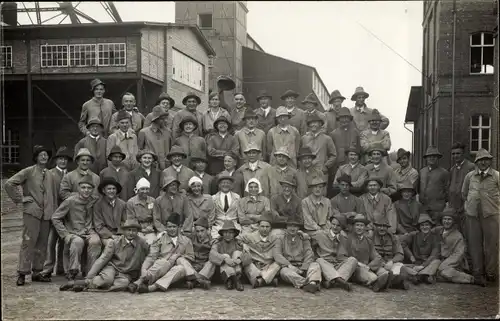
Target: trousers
[229, 271]
[313, 274]
[55, 249]
[482, 244]
[267, 272]
[34, 245]
[450, 272]
[365, 276]
[342, 270]
[205, 270]
[77, 244]
[430, 269]
[110, 278]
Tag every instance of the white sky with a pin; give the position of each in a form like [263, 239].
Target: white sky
[325, 35]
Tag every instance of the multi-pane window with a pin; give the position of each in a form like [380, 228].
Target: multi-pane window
[187, 70]
[6, 56]
[82, 55]
[480, 132]
[10, 147]
[482, 47]
[111, 54]
[54, 55]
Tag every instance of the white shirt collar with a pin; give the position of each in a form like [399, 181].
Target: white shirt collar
[61, 170]
[353, 165]
[223, 135]
[174, 240]
[376, 165]
[94, 137]
[200, 174]
[177, 168]
[375, 132]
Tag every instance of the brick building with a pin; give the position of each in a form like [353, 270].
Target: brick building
[468, 87]
[48, 68]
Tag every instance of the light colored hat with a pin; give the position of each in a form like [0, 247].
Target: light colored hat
[252, 146]
[359, 91]
[432, 151]
[283, 150]
[256, 181]
[195, 179]
[84, 152]
[169, 180]
[281, 111]
[481, 154]
[142, 183]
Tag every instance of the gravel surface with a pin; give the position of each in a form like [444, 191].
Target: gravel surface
[45, 301]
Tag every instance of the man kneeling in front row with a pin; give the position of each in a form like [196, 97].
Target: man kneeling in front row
[119, 264]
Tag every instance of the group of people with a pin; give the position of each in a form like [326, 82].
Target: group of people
[289, 195]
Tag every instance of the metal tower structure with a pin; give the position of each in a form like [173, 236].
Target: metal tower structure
[41, 13]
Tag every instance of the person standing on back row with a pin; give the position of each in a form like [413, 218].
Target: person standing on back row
[97, 107]
[362, 113]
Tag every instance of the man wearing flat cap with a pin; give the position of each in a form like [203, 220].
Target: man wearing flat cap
[96, 143]
[361, 112]
[119, 264]
[481, 192]
[162, 266]
[434, 183]
[156, 137]
[39, 199]
[97, 107]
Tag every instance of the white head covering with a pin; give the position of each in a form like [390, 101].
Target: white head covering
[254, 180]
[142, 183]
[195, 179]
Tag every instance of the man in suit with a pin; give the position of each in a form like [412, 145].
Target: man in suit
[226, 205]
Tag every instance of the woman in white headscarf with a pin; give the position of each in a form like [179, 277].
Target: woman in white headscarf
[200, 203]
[251, 207]
[140, 207]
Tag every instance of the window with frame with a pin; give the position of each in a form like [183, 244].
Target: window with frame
[82, 55]
[205, 21]
[187, 70]
[482, 52]
[111, 54]
[6, 56]
[54, 55]
[10, 147]
[480, 132]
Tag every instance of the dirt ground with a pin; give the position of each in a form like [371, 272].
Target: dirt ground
[45, 301]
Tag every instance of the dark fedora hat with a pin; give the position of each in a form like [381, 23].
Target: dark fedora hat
[176, 150]
[157, 113]
[38, 149]
[122, 114]
[310, 99]
[95, 82]
[344, 112]
[314, 117]
[334, 95]
[109, 181]
[289, 93]
[250, 113]
[63, 151]
[166, 96]
[402, 152]
[188, 119]
[94, 121]
[262, 94]
[116, 150]
[305, 151]
[229, 226]
[191, 94]
[224, 119]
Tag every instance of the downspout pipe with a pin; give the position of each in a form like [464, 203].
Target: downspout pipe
[412, 136]
[453, 72]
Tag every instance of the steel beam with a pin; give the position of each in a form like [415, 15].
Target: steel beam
[56, 104]
[113, 9]
[38, 16]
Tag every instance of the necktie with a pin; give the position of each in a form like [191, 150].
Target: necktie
[226, 203]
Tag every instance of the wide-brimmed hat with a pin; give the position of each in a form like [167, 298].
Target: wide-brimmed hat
[146, 151]
[341, 218]
[63, 151]
[334, 95]
[344, 112]
[377, 147]
[312, 118]
[375, 116]
[109, 181]
[317, 181]
[283, 150]
[116, 150]
[121, 115]
[424, 217]
[84, 152]
[432, 151]
[382, 221]
[305, 151]
[174, 218]
[187, 119]
[158, 112]
[345, 178]
[229, 226]
[223, 119]
[310, 99]
[281, 111]
[359, 91]
[95, 83]
[191, 95]
[224, 177]
[87, 179]
[289, 93]
[166, 96]
[360, 218]
[202, 221]
[267, 217]
[131, 223]
[376, 179]
[262, 94]
[169, 180]
[252, 146]
[407, 185]
[448, 211]
[354, 149]
[249, 113]
[176, 150]
[38, 149]
[93, 121]
[402, 152]
[481, 154]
